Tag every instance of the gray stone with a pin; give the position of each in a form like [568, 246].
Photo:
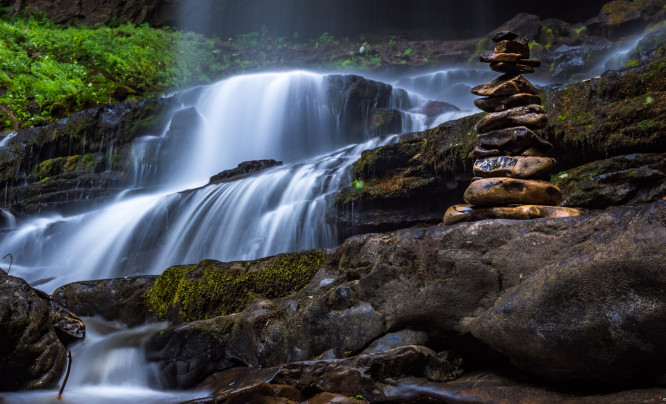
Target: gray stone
[515, 167]
[514, 140]
[531, 116]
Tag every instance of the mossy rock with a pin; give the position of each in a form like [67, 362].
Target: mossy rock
[629, 179]
[212, 288]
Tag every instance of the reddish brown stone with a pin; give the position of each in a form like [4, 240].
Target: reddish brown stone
[505, 85]
[468, 213]
[531, 116]
[497, 104]
[512, 191]
[513, 47]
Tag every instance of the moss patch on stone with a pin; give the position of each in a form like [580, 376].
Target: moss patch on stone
[212, 288]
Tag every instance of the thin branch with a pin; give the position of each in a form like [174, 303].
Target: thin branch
[69, 366]
[11, 261]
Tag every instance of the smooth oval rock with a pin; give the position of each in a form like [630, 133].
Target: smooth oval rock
[531, 116]
[502, 103]
[513, 140]
[507, 46]
[506, 84]
[468, 213]
[513, 166]
[510, 191]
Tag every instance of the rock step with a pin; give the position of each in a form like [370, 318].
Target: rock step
[468, 213]
[507, 84]
[503, 191]
[531, 116]
[513, 166]
[513, 141]
[504, 102]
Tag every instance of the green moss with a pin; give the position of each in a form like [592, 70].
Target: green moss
[481, 47]
[212, 288]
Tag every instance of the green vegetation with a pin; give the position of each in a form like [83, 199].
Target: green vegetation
[212, 288]
[48, 71]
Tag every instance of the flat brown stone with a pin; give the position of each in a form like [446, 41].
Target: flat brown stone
[513, 47]
[511, 68]
[531, 116]
[502, 103]
[500, 57]
[468, 213]
[514, 167]
[514, 140]
[506, 84]
[512, 191]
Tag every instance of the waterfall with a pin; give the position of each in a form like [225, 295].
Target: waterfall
[285, 116]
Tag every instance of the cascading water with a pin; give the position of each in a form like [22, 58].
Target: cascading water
[284, 116]
[282, 209]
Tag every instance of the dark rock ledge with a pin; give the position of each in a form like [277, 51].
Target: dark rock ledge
[574, 304]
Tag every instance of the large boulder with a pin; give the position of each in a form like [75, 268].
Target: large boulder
[596, 314]
[31, 356]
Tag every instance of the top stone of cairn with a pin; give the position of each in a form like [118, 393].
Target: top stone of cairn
[504, 36]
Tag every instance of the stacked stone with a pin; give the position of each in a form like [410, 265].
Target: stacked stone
[511, 171]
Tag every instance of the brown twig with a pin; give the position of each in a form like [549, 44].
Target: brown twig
[11, 261]
[69, 366]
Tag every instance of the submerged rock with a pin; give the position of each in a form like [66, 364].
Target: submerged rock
[31, 356]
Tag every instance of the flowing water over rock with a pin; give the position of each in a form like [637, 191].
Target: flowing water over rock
[289, 116]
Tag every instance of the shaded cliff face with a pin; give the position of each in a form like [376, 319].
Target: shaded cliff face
[446, 18]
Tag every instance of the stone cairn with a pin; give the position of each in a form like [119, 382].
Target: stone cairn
[511, 173]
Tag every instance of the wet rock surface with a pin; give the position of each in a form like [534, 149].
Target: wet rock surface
[468, 213]
[31, 356]
[630, 179]
[530, 116]
[507, 191]
[441, 284]
[514, 141]
[513, 166]
[505, 85]
[118, 299]
[245, 168]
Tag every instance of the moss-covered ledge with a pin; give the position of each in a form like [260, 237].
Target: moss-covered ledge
[211, 288]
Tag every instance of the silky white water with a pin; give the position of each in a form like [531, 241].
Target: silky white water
[283, 116]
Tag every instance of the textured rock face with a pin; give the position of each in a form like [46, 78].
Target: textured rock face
[31, 356]
[513, 141]
[113, 299]
[587, 317]
[451, 280]
[634, 178]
